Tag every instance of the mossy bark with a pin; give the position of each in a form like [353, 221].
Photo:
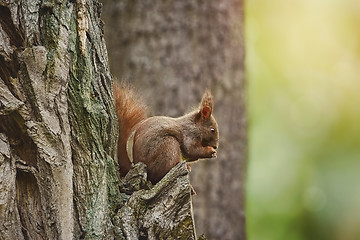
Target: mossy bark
[57, 122]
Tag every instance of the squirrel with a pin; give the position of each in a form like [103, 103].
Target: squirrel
[159, 141]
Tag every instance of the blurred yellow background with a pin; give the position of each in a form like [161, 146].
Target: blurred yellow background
[303, 73]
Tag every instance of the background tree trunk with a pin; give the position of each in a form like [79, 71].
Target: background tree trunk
[171, 51]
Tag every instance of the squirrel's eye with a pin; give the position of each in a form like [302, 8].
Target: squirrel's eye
[212, 129]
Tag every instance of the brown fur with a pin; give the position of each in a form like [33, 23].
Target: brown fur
[161, 142]
[130, 110]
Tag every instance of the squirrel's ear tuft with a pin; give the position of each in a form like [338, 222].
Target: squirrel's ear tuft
[206, 105]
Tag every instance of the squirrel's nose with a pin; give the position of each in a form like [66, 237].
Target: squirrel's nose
[214, 147]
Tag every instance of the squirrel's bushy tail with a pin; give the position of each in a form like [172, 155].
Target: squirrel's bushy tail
[130, 110]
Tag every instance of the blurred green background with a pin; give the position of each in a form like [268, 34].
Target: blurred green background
[303, 73]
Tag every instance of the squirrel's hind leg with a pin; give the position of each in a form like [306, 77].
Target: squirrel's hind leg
[164, 157]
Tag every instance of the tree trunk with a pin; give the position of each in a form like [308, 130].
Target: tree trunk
[171, 51]
[57, 122]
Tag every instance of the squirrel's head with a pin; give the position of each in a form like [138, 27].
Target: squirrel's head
[209, 133]
[200, 131]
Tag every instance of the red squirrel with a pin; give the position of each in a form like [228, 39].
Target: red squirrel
[161, 142]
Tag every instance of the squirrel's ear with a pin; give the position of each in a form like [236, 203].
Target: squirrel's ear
[206, 105]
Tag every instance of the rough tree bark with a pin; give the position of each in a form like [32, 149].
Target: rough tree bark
[58, 134]
[160, 212]
[57, 123]
[171, 51]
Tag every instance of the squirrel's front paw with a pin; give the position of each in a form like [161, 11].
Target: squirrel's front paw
[211, 152]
